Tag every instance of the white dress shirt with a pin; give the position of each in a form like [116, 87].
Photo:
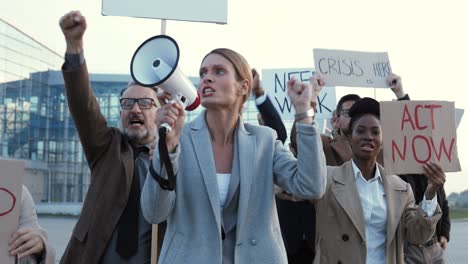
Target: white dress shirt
[259, 100]
[223, 186]
[374, 205]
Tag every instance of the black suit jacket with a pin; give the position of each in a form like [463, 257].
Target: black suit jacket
[272, 119]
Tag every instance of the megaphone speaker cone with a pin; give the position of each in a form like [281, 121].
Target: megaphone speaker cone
[155, 63]
[155, 60]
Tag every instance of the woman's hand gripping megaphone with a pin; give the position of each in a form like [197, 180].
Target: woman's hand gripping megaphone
[171, 116]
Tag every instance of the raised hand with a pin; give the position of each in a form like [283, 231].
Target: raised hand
[73, 26]
[300, 95]
[395, 83]
[317, 83]
[257, 89]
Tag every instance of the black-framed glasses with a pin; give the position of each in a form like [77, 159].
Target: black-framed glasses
[344, 112]
[143, 103]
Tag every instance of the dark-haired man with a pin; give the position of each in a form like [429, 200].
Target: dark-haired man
[111, 228]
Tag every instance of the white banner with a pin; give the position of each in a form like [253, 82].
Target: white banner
[352, 68]
[275, 83]
[213, 11]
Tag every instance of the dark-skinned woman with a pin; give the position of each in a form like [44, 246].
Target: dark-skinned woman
[366, 214]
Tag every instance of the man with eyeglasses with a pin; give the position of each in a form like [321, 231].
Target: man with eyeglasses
[111, 228]
[337, 149]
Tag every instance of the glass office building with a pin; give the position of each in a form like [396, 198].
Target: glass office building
[26, 109]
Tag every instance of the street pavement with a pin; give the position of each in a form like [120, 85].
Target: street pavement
[59, 230]
[457, 251]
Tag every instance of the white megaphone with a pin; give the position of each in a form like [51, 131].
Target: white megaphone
[155, 64]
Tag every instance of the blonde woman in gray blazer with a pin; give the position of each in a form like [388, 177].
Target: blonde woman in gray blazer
[223, 208]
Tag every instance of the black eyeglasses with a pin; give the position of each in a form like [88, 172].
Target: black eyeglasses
[143, 103]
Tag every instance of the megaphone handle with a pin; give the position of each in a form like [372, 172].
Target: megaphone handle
[167, 126]
[165, 161]
[176, 99]
[180, 99]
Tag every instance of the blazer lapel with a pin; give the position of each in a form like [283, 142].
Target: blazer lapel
[395, 203]
[347, 196]
[246, 144]
[200, 137]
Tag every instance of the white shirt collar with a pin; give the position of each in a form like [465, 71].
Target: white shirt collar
[357, 172]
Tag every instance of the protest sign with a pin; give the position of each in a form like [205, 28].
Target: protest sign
[275, 84]
[458, 115]
[10, 202]
[352, 68]
[214, 11]
[415, 132]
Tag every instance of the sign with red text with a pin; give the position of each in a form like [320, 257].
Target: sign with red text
[458, 115]
[275, 84]
[353, 68]
[213, 11]
[415, 132]
[10, 201]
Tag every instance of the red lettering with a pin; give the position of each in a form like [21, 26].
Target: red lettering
[406, 118]
[12, 203]
[395, 147]
[442, 147]
[428, 149]
[432, 107]
[422, 145]
[416, 117]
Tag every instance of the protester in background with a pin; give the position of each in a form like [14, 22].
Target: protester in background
[268, 116]
[111, 227]
[29, 242]
[222, 209]
[333, 124]
[432, 251]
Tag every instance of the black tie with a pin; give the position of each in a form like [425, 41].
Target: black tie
[127, 236]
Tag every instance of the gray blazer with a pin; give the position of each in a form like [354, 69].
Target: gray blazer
[193, 211]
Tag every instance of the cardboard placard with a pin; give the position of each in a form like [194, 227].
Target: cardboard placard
[10, 201]
[458, 115]
[415, 132]
[275, 83]
[353, 68]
